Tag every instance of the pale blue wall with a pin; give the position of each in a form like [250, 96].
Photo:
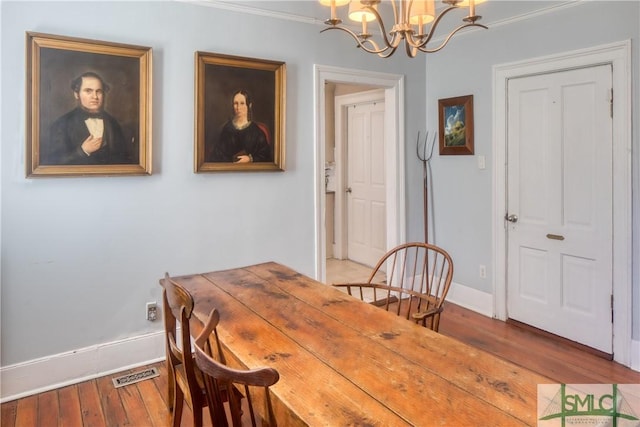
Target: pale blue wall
[463, 204]
[81, 256]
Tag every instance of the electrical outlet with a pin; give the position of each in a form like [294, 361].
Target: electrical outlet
[483, 272]
[152, 311]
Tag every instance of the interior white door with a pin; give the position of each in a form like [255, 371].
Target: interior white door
[559, 201]
[366, 201]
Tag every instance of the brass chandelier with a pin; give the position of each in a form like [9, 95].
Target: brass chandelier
[411, 19]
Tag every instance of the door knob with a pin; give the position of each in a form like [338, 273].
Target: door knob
[511, 218]
[348, 190]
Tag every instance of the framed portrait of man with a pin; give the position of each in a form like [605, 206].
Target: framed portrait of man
[88, 107]
[240, 104]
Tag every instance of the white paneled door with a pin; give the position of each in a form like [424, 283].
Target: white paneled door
[366, 204]
[559, 220]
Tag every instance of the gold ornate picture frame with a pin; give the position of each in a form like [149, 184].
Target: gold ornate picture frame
[455, 129]
[88, 107]
[240, 114]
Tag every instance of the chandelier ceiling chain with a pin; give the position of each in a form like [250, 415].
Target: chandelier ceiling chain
[411, 17]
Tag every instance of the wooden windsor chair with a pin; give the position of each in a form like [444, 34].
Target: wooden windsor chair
[418, 276]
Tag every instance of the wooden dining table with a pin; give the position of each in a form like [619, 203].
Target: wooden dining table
[343, 362]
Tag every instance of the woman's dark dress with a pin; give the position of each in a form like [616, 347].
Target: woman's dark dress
[233, 142]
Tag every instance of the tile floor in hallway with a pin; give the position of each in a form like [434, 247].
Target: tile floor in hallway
[347, 271]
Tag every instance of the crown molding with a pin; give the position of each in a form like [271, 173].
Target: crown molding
[535, 13]
[243, 8]
[240, 7]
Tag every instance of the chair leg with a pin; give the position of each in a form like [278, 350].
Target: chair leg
[178, 402]
[197, 414]
[435, 322]
[170, 384]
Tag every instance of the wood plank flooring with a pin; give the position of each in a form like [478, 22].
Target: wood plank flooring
[558, 360]
[98, 403]
[95, 403]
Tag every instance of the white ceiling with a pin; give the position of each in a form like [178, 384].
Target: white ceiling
[492, 11]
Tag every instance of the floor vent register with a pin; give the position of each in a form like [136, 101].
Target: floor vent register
[135, 377]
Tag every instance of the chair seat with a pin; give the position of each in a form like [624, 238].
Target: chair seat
[418, 277]
[384, 301]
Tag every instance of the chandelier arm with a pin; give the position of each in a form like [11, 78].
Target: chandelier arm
[422, 47]
[390, 44]
[361, 44]
[389, 51]
[374, 45]
[420, 42]
[411, 50]
[386, 52]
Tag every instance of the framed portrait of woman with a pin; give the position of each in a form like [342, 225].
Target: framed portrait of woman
[240, 114]
[88, 107]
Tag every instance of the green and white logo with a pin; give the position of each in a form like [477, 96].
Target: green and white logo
[611, 405]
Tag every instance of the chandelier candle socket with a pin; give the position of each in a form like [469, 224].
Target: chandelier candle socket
[410, 21]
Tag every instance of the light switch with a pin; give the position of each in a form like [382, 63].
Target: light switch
[481, 162]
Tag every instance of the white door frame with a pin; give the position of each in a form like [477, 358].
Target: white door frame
[341, 104]
[619, 55]
[393, 85]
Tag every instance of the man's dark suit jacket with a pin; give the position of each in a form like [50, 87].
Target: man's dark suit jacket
[63, 144]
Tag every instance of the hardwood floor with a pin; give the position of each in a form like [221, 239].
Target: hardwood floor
[98, 403]
[559, 361]
[94, 403]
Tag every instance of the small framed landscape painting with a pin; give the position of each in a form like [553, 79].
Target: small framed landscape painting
[455, 123]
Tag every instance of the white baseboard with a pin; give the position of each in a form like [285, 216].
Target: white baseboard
[47, 373]
[472, 299]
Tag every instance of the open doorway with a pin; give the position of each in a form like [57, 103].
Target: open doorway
[332, 82]
[355, 211]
